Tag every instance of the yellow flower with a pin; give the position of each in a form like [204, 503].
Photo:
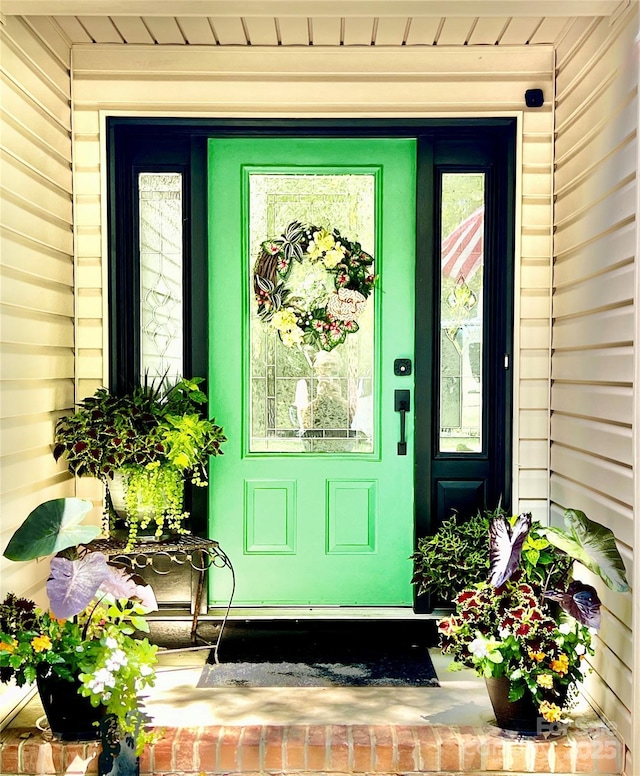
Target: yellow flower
[550, 711]
[41, 643]
[545, 680]
[560, 665]
[292, 337]
[321, 243]
[537, 656]
[284, 320]
[4, 647]
[333, 257]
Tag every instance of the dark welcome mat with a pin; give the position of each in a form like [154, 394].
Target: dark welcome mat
[321, 654]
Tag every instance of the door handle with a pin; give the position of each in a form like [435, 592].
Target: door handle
[402, 404]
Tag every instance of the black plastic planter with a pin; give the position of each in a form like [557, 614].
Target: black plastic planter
[71, 716]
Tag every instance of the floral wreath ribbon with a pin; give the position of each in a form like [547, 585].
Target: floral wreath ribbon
[336, 278]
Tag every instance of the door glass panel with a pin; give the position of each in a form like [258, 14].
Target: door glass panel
[160, 226]
[304, 399]
[461, 303]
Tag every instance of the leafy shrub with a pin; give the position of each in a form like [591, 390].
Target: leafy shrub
[454, 557]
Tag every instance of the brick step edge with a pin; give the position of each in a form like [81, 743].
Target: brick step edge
[333, 749]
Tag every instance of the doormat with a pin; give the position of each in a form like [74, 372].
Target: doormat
[323, 654]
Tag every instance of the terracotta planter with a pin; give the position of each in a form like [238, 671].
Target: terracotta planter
[70, 715]
[521, 715]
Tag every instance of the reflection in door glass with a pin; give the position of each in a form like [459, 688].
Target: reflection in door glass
[305, 399]
[160, 226]
[461, 303]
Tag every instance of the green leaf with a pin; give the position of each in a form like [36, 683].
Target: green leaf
[52, 526]
[593, 545]
[516, 691]
[30, 673]
[537, 544]
[532, 556]
[545, 558]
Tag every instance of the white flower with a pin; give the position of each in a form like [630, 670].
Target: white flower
[478, 648]
[346, 304]
[504, 633]
[580, 649]
[565, 628]
[103, 678]
[116, 660]
[145, 670]
[111, 642]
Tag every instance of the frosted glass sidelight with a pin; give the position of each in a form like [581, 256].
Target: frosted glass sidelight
[461, 303]
[303, 399]
[161, 264]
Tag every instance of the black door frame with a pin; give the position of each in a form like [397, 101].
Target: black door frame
[156, 144]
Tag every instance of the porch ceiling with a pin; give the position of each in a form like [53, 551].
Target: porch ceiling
[381, 23]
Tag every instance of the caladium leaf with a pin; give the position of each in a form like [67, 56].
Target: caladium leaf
[580, 601]
[121, 583]
[144, 593]
[73, 583]
[593, 545]
[506, 546]
[51, 527]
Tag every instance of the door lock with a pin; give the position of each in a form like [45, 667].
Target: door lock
[402, 404]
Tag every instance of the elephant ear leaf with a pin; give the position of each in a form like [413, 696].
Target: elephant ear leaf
[73, 583]
[121, 583]
[52, 526]
[593, 545]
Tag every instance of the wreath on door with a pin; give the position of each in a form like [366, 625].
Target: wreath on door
[311, 284]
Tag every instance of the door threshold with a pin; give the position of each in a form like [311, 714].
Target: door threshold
[319, 613]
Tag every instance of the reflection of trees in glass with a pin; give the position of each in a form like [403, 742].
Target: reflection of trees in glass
[310, 392]
[160, 227]
[461, 314]
[462, 193]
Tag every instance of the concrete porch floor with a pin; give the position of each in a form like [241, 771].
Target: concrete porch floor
[177, 700]
[341, 730]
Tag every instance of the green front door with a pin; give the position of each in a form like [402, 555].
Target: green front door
[313, 499]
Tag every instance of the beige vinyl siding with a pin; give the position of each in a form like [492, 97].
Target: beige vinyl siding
[594, 316]
[36, 284]
[334, 82]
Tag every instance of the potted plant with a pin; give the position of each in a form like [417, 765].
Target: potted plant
[456, 556]
[87, 641]
[528, 628]
[452, 558]
[142, 444]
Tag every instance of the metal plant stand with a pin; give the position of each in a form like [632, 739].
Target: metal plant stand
[162, 557]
